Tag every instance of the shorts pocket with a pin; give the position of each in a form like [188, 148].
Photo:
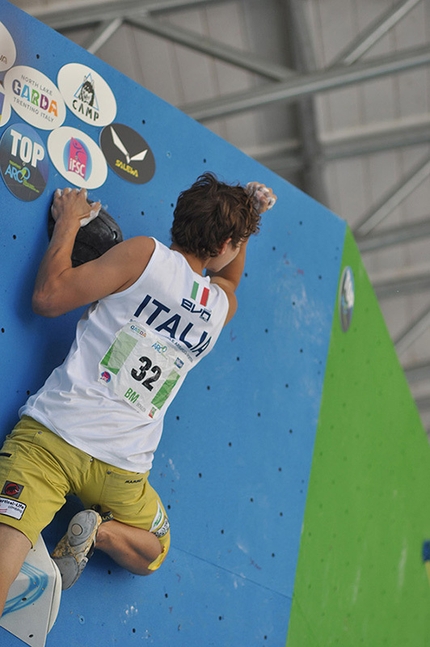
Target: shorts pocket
[123, 492]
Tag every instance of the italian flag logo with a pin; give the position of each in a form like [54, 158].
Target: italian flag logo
[200, 294]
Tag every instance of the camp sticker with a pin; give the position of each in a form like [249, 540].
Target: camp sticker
[77, 157]
[7, 49]
[87, 94]
[34, 97]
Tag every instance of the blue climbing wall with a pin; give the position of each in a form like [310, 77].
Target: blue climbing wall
[234, 462]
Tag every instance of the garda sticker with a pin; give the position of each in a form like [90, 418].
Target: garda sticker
[77, 157]
[12, 508]
[7, 49]
[34, 97]
[24, 162]
[87, 94]
[127, 153]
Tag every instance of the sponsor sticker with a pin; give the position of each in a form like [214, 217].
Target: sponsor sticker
[163, 530]
[77, 157]
[87, 94]
[12, 489]
[24, 164]
[161, 522]
[34, 97]
[4, 108]
[7, 49]
[158, 518]
[127, 153]
[12, 508]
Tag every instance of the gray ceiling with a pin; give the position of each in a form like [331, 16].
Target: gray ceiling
[333, 95]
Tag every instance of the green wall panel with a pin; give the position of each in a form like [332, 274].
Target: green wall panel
[360, 577]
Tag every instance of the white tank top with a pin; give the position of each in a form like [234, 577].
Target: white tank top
[130, 355]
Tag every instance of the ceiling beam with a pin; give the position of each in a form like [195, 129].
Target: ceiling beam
[307, 84]
[413, 332]
[397, 235]
[374, 32]
[393, 198]
[211, 47]
[67, 15]
[304, 61]
[402, 282]
[345, 145]
[419, 372]
[375, 140]
[101, 35]
[423, 404]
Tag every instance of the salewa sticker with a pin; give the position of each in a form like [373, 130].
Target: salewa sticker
[127, 153]
[4, 108]
[87, 94]
[24, 164]
[11, 508]
[77, 157]
[34, 97]
[12, 489]
[7, 49]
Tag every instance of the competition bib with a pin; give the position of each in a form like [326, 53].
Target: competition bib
[143, 369]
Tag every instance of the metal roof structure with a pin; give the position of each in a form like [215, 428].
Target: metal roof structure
[332, 95]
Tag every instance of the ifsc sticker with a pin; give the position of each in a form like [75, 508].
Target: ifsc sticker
[87, 94]
[4, 108]
[34, 97]
[7, 49]
[127, 153]
[77, 157]
[346, 298]
[24, 163]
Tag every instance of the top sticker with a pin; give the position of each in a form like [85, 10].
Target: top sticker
[34, 97]
[87, 94]
[7, 49]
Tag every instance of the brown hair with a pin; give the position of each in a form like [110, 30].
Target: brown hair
[209, 213]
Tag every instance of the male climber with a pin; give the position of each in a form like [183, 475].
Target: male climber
[93, 427]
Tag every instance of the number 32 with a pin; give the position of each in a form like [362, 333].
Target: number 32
[140, 374]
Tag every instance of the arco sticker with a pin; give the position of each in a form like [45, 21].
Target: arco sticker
[127, 153]
[77, 157]
[7, 49]
[34, 97]
[87, 94]
[24, 162]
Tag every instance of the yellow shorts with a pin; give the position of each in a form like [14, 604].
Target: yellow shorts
[38, 469]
